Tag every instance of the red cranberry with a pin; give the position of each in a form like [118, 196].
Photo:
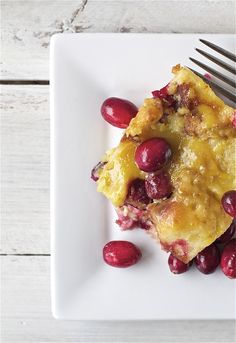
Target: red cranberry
[164, 95]
[158, 186]
[229, 203]
[234, 120]
[176, 266]
[127, 221]
[121, 254]
[137, 192]
[228, 259]
[208, 259]
[130, 217]
[144, 223]
[208, 76]
[161, 93]
[96, 169]
[228, 234]
[152, 154]
[118, 112]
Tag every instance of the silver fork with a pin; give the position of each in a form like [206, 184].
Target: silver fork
[228, 94]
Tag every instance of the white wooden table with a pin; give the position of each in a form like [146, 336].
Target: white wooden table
[25, 255]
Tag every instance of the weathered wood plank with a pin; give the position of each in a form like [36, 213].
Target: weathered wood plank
[28, 25]
[25, 169]
[26, 315]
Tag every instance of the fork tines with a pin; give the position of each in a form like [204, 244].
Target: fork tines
[220, 63]
[222, 51]
[217, 74]
[217, 87]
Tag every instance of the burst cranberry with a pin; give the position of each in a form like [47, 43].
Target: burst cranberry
[229, 203]
[95, 171]
[228, 259]
[161, 93]
[208, 259]
[164, 95]
[152, 154]
[130, 217]
[127, 217]
[137, 193]
[176, 266]
[121, 254]
[228, 234]
[118, 112]
[158, 186]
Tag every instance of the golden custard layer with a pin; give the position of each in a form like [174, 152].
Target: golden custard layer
[198, 126]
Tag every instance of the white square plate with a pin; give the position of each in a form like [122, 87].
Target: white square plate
[86, 69]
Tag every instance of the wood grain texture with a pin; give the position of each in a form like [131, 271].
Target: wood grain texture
[26, 315]
[26, 30]
[28, 25]
[25, 169]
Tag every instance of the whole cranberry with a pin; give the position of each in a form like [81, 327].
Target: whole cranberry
[229, 203]
[158, 186]
[228, 234]
[121, 254]
[208, 259]
[228, 259]
[137, 192]
[118, 112]
[152, 154]
[176, 266]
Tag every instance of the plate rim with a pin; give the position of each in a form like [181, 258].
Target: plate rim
[53, 42]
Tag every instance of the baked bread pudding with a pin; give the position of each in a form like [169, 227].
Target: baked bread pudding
[173, 165]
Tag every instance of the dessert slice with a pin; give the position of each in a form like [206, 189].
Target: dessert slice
[174, 163]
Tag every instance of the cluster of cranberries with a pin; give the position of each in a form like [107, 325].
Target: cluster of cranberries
[222, 252]
[209, 258]
[151, 156]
